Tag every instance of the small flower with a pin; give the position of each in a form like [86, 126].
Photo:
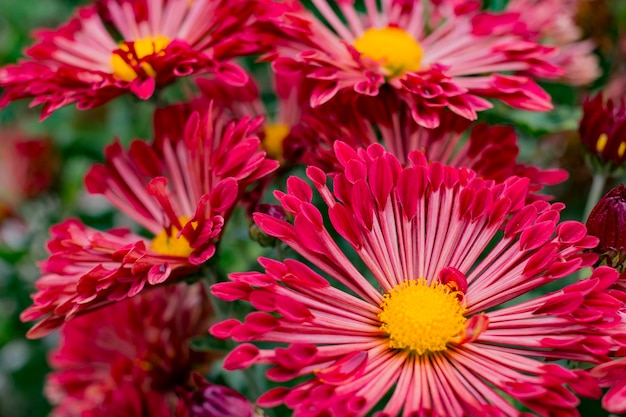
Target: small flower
[607, 221]
[182, 189]
[432, 56]
[256, 233]
[28, 166]
[211, 400]
[121, 46]
[429, 322]
[132, 355]
[603, 133]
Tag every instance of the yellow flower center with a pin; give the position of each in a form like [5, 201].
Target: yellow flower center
[421, 317]
[168, 244]
[393, 47]
[275, 134]
[123, 68]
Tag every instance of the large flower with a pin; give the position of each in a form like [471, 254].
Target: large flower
[433, 56]
[129, 354]
[491, 151]
[182, 189]
[429, 322]
[149, 44]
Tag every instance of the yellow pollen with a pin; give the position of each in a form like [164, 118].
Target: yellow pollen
[168, 244]
[621, 149]
[601, 143]
[124, 70]
[275, 134]
[421, 317]
[395, 49]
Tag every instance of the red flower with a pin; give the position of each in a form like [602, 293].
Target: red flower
[603, 132]
[182, 189]
[84, 62]
[429, 321]
[491, 151]
[607, 221]
[432, 56]
[132, 355]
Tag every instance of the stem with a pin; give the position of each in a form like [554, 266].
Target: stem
[595, 193]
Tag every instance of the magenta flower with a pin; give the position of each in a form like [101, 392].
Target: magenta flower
[429, 318]
[182, 189]
[130, 355]
[83, 62]
[290, 101]
[607, 221]
[603, 132]
[211, 400]
[491, 151]
[432, 56]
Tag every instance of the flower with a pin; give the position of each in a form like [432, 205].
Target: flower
[133, 46]
[432, 56]
[603, 133]
[29, 166]
[607, 221]
[289, 99]
[211, 400]
[491, 151]
[130, 355]
[428, 321]
[552, 22]
[182, 189]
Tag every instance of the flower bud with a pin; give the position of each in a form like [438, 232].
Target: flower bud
[212, 400]
[603, 133]
[256, 233]
[607, 221]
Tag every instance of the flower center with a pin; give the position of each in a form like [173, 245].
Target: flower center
[393, 47]
[421, 317]
[275, 134]
[124, 63]
[169, 244]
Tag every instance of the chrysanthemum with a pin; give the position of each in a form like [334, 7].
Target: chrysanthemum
[129, 46]
[288, 101]
[603, 133]
[428, 322]
[182, 189]
[433, 56]
[552, 22]
[130, 355]
[491, 151]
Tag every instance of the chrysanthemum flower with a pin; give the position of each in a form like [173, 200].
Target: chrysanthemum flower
[448, 56]
[603, 133]
[429, 322]
[607, 221]
[129, 355]
[491, 151]
[182, 189]
[129, 46]
[28, 167]
[552, 22]
[289, 100]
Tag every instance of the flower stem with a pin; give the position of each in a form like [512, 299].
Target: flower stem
[595, 193]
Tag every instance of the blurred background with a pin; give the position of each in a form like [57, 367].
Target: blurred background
[42, 167]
